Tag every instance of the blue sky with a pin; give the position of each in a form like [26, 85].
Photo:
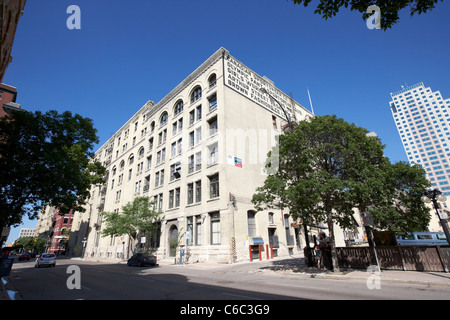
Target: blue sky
[129, 52]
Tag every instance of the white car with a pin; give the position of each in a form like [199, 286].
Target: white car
[46, 259]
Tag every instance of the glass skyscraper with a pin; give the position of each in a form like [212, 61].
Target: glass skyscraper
[422, 118]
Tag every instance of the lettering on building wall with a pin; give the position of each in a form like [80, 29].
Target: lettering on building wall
[249, 84]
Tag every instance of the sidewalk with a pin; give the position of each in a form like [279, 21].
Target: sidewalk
[295, 266]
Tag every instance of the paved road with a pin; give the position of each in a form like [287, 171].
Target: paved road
[168, 282]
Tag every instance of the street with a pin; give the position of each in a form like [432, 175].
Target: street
[117, 281]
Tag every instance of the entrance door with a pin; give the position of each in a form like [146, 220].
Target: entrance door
[173, 241]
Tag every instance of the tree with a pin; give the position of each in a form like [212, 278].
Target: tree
[400, 209]
[31, 243]
[328, 167]
[45, 159]
[389, 9]
[137, 217]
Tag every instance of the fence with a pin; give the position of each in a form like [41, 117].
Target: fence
[407, 258]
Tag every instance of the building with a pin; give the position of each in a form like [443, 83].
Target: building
[26, 232]
[422, 117]
[199, 153]
[56, 228]
[10, 12]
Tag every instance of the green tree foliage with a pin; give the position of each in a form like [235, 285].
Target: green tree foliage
[137, 217]
[389, 9]
[31, 243]
[45, 160]
[328, 167]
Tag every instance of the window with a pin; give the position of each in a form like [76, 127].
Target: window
[191, 117]
[212, 102]
[190, 231]
[213, 156]
[214, 186]
[215, 228]
[177, 197]
[198, 133]
[198, 191]
[146, 183]
[199, 112]
[131, 160]
[213, 126]
[157, 179]
[271, 218]
[251, 223]
[178, 107]
[198, 230]
[149, 162]
[162, 136]
[162, 177]
[191, 164]
[190, 193]
[150, 144]
[160, 204]
[171, 198]
[196, 94]
[191, 139]
[274, 122]
[198, 161]
[163, 119]
[212, 80]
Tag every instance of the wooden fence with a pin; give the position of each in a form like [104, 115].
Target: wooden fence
[407, 258]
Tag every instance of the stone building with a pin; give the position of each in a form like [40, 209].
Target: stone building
[199, 153]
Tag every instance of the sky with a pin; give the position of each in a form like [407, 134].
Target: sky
[129, 52]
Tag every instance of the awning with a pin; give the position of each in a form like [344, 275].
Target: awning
[257, 241]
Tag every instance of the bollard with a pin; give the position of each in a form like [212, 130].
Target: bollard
[267, 251]
[250, 251]
[271, 251]
[259, 248]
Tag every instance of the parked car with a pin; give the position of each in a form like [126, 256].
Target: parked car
[46, 259]
[422, 239]
[25, 256]
[142, 259]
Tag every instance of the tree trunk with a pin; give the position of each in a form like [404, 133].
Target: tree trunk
[334, 259]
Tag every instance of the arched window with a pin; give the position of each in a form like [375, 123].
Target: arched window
[122, 164]
[196, 94]
[141, 152]
[212, 80]
[164, 118]
[178, 107]
[152, 126]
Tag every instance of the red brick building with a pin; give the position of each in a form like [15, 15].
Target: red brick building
[59, 232]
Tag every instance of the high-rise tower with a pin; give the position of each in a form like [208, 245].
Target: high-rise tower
[422, 118]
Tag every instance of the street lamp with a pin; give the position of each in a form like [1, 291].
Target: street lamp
[435, 196]
[263, 90]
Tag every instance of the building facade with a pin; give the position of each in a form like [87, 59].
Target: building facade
[200, 154]
[26, 232]
[422, 117]
[56, 228]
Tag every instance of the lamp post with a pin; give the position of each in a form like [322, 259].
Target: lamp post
[263, 90]
[436, 196]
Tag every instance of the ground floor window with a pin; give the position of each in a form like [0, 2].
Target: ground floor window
[215, 227]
